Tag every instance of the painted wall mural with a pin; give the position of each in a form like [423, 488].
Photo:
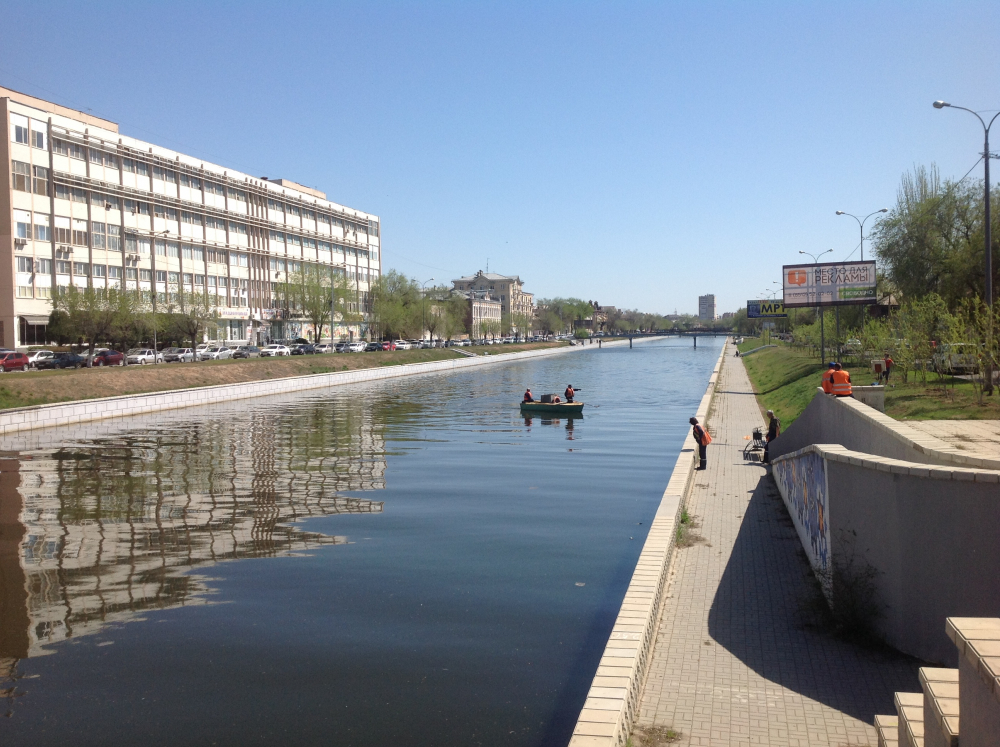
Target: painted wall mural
[802, 482]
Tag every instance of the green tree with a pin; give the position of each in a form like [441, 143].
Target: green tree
[395, 303]
[192, 316]
[86, 314]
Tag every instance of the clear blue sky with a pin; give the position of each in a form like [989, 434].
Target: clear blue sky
[636, 154]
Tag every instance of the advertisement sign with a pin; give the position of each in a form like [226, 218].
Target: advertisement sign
[828, 284]
[237, 313]
[766, 310]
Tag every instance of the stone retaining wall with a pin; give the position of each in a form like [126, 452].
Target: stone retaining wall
[612, 703]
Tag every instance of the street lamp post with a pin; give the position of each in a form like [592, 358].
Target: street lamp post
[822, 318]
[423, 308]
[861, 227]
[988, 227]
[153, 284]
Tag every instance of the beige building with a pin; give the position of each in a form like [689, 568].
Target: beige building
[508, 290]
[81, 204]
[706, 307]
[484, 314]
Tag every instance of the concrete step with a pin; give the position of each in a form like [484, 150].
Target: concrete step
[978, 642]
[940, 687]
[910, 709]
[887, 728]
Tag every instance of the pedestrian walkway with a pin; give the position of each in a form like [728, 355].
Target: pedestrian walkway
[976, 437]
[736, 661]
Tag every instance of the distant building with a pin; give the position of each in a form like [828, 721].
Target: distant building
[706, 307]
[483, 315]
[728, 315]
[508, 290]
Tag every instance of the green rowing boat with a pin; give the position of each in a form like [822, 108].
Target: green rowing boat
[566, 408]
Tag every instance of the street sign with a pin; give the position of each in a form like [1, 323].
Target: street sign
[766, 310]
[828, 284]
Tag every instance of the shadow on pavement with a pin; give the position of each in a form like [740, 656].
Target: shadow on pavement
[758, 614]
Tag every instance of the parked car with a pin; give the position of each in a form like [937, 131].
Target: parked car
[62, 360]
[39, 355]
[143, 356]
[323, 347]
[957, 357]
[341, 347]
[371, 347]
[357, 347]
[401, 344]
[388, 345]
[304, 350]
[274, 351]
[108, 358]
[215, 353]
[426, 344]
[246, 351]
[14, 362]
[178, 355]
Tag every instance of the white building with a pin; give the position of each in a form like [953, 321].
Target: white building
[706, 307]
[83, 205]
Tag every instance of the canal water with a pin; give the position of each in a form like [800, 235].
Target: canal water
[402, 563]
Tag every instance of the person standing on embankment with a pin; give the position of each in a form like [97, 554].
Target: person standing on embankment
[703, 439]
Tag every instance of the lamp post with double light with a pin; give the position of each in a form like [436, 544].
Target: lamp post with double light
[822, 326]
[988, 226]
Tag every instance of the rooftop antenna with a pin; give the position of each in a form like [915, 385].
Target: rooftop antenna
[487, 265]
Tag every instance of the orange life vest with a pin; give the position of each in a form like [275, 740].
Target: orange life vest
[704, 439]
[840, 383]
[827, 386]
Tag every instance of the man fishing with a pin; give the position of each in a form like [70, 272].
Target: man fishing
[569, 393]
[528, 397]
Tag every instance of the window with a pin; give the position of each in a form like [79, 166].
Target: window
[22, 224]
[100, 271]
[114, 273]
[60, 147]
[309, 214]
[20, 176]
[239, 228]
[81, 268]
[19, 124]
[25, 291]
[63, 233]
[191, 218]
[192, 182]
[62, 268]
[96, 157]
[131, 273]
[294, 210]
[173, 250]
[38, 135]
[161, 276]
[198, 254]
[43, 266]
[211, 281]
[78, 195]
[172, 277]
[275, 206]
[135, 167]
[40, 183]
[114, 238]
[42, 230]
[43, 293]
[161, 248]
[75, 151]
[218, 256]
[165, 175]
[214, 189]
[188, 278]
[62, 192]
[98, 234]
[237, 259]
[145, 274]
[143, 245]
[25, 264]
[141, 208]
[373, 228]
[80, 232]
[236, 194]
[324, 219]
[199, 279]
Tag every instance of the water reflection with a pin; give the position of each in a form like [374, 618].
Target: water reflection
[96, 530]
[570, 421]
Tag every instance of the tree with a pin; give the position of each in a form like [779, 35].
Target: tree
[86, 313]
[319, 293]
[193, 316]
[395, 303]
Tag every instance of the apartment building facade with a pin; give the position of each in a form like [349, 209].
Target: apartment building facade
[706, 307]
[83, 205]
[508, 290]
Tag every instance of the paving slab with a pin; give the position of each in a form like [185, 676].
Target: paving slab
[737, 660]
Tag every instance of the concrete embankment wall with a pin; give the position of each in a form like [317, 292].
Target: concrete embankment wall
[612, 703]
[68, 413]
[855, 426]
[928, 534]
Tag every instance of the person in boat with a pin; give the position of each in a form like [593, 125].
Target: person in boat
[568, 394]
[528, 397]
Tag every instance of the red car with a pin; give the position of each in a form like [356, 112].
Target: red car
[14, 362]
[109, 358]
[388, 345]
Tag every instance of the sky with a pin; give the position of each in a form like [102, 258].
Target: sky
[634, 154]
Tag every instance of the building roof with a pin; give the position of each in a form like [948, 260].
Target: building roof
[486, 276]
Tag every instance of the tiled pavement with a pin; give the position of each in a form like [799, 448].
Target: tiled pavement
[735, 661]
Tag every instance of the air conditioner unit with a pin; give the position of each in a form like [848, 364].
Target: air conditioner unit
[20, 241]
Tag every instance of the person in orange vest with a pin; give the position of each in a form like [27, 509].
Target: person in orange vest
[569, 393]
[840, 382]
[528, 397]
[827, 383]
[703, 439]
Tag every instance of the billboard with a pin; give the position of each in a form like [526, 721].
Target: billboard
[766, 310]
[828, 284]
